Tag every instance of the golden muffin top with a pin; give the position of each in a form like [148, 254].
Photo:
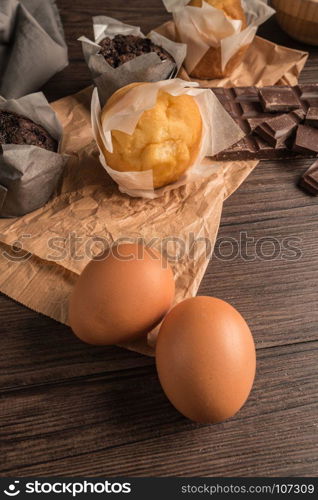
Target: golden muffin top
[166, 139]
[232, 8]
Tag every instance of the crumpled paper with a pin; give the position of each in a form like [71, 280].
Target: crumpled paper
[205, 27]
[144, 68]
[29, 174]
[32, 45]
[90, 207]
[219, 132]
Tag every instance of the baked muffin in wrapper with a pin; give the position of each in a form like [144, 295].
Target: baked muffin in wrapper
[29, 174]
[143, 68]
[219, 131]
[216, 43]
[32, 45]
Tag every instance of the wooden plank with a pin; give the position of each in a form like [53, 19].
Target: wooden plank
[37, 350]
[102, 425]
[278, 445]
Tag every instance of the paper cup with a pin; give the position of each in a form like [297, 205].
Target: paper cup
[29, 175]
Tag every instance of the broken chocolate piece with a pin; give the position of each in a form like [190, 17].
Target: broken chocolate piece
[309, 181]
[306, 140]
[282, 99]
[276, 130]
[299, 114]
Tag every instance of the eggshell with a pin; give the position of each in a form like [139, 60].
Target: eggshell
[121, 295]
[205, 357]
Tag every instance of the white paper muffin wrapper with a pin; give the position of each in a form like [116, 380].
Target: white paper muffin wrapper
[144, 68]
[206, 27]
[29, 174]
[219, 132]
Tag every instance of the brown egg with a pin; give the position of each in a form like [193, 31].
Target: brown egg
[121, 295]
[205, 358]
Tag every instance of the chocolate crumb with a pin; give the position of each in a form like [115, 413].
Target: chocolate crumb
[16, 129]
[123, 48]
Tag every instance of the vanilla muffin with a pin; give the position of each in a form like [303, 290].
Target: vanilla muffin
[232, 8]
[166, 139]
[210, 66]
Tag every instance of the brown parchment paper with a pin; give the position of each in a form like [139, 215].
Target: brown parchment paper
[90, 208]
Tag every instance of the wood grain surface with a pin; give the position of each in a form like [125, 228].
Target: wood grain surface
[71, 409]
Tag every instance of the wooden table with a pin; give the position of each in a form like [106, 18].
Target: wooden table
[69, 409]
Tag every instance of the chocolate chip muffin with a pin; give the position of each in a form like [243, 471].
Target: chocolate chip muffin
[15, 129]
[123, 48]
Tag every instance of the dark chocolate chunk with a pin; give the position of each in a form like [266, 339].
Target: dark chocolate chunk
[312, 117]
[252, 107]
[306, 140]
[15, 129]
[309, 186]
[255, 148]
[255, 122]
[282, 99]
[276, 130]
[299, 114]
[309, 181]
[123, 48]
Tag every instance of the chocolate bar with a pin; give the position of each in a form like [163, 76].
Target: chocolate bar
[265, 115]
[306, 139]
[309, 181]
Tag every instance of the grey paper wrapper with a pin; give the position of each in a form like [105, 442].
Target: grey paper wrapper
[32, 45]
[144, 68]
[28, 174]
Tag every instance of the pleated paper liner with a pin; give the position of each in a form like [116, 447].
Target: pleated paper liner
[299, 18]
